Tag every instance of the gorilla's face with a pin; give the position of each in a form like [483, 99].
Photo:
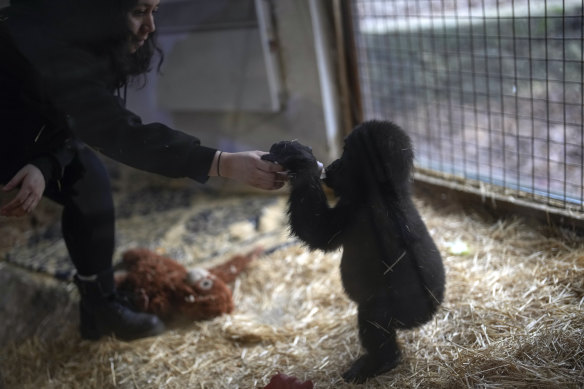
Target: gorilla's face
[333, 176]
[375, 153]
[343, 175]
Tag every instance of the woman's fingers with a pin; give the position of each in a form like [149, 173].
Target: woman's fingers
[32, 185]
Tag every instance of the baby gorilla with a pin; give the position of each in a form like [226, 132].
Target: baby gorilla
[390, 265]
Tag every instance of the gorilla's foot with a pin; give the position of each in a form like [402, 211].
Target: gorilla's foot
[370, 365]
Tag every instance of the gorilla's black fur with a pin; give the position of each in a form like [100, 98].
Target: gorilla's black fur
[390, 265]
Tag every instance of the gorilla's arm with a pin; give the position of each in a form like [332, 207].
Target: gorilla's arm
[312, 220]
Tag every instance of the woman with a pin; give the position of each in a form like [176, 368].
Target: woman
[62, 62]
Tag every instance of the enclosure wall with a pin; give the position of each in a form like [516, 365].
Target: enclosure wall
[491, 91]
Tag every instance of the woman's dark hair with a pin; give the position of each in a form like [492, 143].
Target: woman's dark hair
[103, 29]
[127, 65]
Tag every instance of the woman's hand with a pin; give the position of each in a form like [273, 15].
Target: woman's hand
[32, 185]
[249, 168]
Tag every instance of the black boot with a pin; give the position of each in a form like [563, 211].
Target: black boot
[102, 312]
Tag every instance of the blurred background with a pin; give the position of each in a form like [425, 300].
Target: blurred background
[491, 91]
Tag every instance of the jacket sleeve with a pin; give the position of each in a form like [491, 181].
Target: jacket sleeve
[79, 88]
[47, 166]
[31, 129]
[53, 162]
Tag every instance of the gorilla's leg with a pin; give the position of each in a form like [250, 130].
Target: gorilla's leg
[378, 337]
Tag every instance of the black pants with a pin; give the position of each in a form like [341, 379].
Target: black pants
[88, 219]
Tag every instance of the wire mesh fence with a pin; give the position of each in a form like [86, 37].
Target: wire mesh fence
[491, 91]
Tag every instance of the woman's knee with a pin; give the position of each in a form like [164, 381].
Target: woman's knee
[85, 183]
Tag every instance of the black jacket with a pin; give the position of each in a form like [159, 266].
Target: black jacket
[54, 93]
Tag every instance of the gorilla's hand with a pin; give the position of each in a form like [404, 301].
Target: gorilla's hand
[294, 157]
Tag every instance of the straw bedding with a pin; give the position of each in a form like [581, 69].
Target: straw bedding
[512, 317]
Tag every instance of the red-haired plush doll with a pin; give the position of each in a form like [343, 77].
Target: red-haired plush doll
[160, 285]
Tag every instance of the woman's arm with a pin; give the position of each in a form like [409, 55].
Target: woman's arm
[99, 118]
[79, 85]
[249, 168]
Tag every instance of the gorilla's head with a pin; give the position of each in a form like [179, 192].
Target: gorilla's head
[375, 152]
